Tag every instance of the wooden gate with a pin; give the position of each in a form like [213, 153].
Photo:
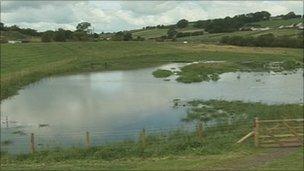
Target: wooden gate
[278, 133]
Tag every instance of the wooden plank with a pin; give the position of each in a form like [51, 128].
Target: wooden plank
[88, 142]
[256, 132]
[293, 132]
[282, 120]
[245, 137]
[277, 145]
[278, 136]
[32, 143]
[282, 141]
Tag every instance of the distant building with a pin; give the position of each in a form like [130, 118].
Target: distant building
[14, 41]
[300, 26]
[259, 29]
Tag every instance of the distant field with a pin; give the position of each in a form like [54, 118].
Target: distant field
[151, 33]
[279, 22]
[216, 37]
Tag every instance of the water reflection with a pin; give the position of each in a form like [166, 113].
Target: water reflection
[121, 100]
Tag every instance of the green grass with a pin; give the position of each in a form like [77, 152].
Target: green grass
[161, 73]
[241, 110]
[277, 23]
[22, 64]
[216, 37]
[151, 33]
[291, 162]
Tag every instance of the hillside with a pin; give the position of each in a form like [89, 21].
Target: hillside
[15, 35]
[215, 37]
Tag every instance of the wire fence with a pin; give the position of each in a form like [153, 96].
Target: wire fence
[38, 141]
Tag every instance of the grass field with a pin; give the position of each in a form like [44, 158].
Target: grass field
[216, 37]
[207, 37]
[151, 33]
[22, 64]
[188, 162]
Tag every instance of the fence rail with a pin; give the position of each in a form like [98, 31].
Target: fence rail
[278, 133]
[265, 133]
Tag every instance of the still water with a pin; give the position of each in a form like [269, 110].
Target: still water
[112, 105]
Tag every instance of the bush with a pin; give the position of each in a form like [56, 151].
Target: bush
[182, 23]
[186, 34]
[161, 73]
[59, 36]
[47, 36]
[266, 40]
[80, 36]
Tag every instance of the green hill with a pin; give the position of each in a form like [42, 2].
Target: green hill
[15, 35]
[215, 37]
[279, 22]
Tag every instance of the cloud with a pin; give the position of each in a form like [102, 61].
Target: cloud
[124, 15]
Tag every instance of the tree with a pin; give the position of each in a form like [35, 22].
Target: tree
[14, 28]
[59, 35]
[182, 23]
[2, 28]
[172, 33]
[47, 36]
[122, 36]
[127, 36]
[289, 15]
[80, 36]
[95, 35]
[83, 26]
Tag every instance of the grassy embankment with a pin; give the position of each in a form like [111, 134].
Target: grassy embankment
[178, 149]
[22, 64]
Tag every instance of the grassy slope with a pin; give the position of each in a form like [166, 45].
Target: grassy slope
[216, 37]
[279, 22]
[15, 35]
[151, 33]
[22, 64]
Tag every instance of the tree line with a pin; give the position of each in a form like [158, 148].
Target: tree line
[231, 24]
[265, 40]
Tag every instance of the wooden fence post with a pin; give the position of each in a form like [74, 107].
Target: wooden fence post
[256, 131]
[88, 142]
[199, 130]
[32, 143]
[142, 141]
[6, 121]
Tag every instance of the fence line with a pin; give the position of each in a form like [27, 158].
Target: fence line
[88, 139]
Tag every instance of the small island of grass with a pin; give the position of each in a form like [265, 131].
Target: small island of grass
[162, 73]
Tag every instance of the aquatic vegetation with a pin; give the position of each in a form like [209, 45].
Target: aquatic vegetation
[162, 73]
[199, 72]
[6, 142]
[204, 71]
[222, 110]
[19, 132]
[214, 77]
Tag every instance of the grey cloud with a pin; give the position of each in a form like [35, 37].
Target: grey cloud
[149, 7]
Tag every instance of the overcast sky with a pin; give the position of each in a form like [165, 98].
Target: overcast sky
[118, 15]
